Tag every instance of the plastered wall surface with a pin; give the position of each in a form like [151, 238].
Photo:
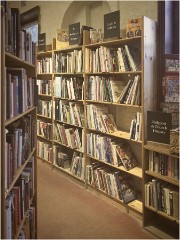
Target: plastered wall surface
[59, 14]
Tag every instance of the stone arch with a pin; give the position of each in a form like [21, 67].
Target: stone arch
[81, 11]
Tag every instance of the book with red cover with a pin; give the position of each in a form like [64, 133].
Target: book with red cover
[126, 156]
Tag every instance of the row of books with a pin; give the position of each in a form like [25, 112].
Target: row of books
[162, 197]
[44, 86]
[18, 41]
[68, 136]
[110, 150]
[106, 89]
[18, 201]
[44, 150]
[19, 145]
[74, 163]
[131, 92]
[60, 158]
[28, 229]
[69, 112]
[164, 164]
[68, 87]
[71, 62]
[44, 129]
[77, 167]
[99, 119]
[114, 183]
[121, 59]
[44, 65]
[45, 108]
[19, 92]
[136, 127]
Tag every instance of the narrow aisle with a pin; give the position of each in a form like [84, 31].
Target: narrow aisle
[67, 211]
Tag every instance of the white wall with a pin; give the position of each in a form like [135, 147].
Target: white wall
[59, 14]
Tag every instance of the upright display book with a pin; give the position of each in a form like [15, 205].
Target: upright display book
[74, 33]
[134, 27]
[62, 38]
[42, 42]
[158, 126]
[112, 25]
[126, 155]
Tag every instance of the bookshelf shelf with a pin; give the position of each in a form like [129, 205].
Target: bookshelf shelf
[14, 61]
[163, 214]
[41, 116]
[164, 178]
[14, 119]
[164, 149]
[43, 74]
[18, 173]
[67, 171]
[74, 149]
[114, 73]
[66, 123]
[43, 138]
[68, 74]
[136, 171]
[114, 42]
[114, 103]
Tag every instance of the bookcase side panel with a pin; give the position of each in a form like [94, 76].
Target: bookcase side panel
[149, 68]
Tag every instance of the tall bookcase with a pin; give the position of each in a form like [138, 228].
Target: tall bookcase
[18, 136]
[124, 112]
[161, 163]
[45, 107]
[68, 147]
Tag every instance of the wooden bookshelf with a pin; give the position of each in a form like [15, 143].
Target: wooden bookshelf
[21, 119]
[45, 83]
[161, 168]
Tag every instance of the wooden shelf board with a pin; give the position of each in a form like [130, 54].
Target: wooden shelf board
[41, 116]
[137, 171]
[164, 178]
[160, 148]
[68, 123]
[113, 103]
[45, 95]
[70, 74]
[136, 205]
[114, 42]
[18, 173]
[12, 60]
[67, 171]
[42, 74]
[9, 121]
[163, 214]
[69, 48]
[159, 230]
[113, 73]
[68, 99]
[43, 138]
[41, 54]
[73, 149]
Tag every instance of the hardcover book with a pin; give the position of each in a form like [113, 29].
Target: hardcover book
[126, 156]
[134, 27]
[127, 190]
[62, 38]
